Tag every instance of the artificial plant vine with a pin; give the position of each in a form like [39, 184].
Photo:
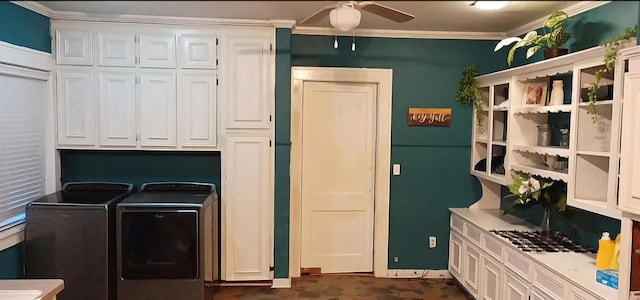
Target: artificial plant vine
[610, 59]
[469, 94]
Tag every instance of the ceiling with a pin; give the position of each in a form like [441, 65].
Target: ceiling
[456, 16]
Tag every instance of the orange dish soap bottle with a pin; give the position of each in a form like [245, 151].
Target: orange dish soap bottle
[605, 252]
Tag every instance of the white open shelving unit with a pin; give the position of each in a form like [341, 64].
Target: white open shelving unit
[511, 130]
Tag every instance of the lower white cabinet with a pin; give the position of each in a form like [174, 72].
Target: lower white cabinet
[455, 255]
[489, 268]
[491, 278]
[515, 287]
[471, 269]
[247, 204]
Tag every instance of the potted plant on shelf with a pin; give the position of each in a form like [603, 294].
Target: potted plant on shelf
[551, 41]
[469, 94]
[530, 190]
[610, 59]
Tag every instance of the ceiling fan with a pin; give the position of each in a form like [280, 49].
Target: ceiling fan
[345, 16]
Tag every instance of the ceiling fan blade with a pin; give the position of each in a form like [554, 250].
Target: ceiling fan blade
[386, 12]
[319, 15]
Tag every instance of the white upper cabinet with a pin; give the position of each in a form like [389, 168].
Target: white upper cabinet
[117, 108]
[73, 47]
[197, 110]
[116, 49]
[630, 155]
[157, 108]
[75, 104]
[249, 80]
[198, 51]
[157, 50]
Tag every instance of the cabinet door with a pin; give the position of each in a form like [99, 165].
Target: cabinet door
[116, 49]
[576, 293]
[75, 103]
[157, 50]
[198, 51]
[157, 106]
[471, 271]
[514, 287]
[455, 255]
[539, 295]
[491, 275]
[248, 206]
[630, 144]
[197, 109]
[249, 80]
[73, 47]
[117, 108]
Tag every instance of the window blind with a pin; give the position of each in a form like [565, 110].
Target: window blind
[22, 159]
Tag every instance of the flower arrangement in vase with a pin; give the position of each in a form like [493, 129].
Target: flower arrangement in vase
[531, 190]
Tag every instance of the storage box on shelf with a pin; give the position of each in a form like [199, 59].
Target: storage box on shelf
[586, 159]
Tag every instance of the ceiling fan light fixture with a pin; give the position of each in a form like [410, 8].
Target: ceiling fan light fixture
[345, 18]
[490, 5]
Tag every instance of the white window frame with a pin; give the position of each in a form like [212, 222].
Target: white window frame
[28, 63]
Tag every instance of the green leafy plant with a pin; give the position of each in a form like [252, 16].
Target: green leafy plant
[534, 190]
[469, 95]
[610, 59]
[553, 39]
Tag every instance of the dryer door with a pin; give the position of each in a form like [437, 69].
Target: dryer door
[159, 244]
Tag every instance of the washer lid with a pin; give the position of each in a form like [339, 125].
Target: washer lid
[86, 193]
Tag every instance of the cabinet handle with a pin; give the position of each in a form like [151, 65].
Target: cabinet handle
[637, 251]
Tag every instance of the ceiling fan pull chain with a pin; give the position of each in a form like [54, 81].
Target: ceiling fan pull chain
[353, 41]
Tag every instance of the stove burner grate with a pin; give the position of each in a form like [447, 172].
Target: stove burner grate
[531, 241]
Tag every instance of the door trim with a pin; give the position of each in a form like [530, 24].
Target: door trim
[383, 79]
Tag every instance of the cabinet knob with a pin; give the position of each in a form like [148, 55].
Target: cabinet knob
[637, 251]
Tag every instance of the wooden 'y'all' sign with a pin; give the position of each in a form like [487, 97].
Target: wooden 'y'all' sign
[429, 116]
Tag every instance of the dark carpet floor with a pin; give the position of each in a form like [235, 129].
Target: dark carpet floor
[341, 287]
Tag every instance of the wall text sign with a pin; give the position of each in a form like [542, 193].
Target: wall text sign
[429, 116]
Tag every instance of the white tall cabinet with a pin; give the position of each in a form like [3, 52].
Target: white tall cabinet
[134, 86]
[248, 161]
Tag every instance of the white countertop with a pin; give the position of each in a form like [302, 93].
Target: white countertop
[580, 268]
[49, 287]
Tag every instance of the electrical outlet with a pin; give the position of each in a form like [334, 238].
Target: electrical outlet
[396, 259]
[432, 242]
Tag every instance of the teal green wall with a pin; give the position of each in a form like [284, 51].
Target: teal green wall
[22, 27]
[138, 167]
[11, 262]
[283, 150]
[435, 160]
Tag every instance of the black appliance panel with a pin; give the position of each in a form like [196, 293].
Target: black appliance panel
[160, 244]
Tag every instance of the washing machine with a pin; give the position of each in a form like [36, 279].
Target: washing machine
[70, 234]
[167, 242]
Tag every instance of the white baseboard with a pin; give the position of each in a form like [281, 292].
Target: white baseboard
[418, 274]
[281, 283]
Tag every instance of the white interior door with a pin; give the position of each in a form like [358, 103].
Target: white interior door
[338, 157]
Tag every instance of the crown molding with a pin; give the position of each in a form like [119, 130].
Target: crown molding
[571, 11]
[35, 7]
[411, 34]
[283, 23]
[163, 20]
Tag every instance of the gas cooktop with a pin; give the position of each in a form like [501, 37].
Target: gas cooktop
[531, 241]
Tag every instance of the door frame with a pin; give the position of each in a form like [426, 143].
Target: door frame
[383, 79]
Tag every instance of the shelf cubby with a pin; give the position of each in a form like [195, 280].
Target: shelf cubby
[594, 137]
[592, 178]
